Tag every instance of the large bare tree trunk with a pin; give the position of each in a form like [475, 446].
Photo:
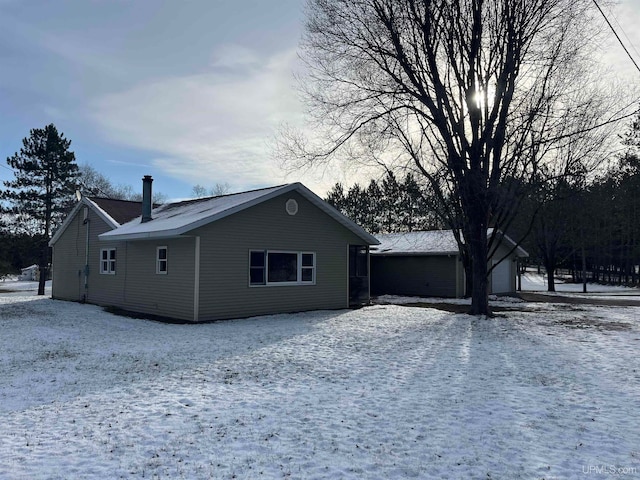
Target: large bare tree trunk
[470, 94]
[478, 247]
[551, 279]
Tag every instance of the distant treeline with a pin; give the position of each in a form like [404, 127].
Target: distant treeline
[577, 223]
[387, 205]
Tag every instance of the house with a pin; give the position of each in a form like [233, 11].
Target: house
[272, 250]
[427, 263]
[29, 274]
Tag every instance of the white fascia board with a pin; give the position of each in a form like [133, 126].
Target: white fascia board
[176, 232]
[520, 252]
[335, 214]
[84, 202]
[108, 219]
[163, 234]
[65, 224]
[304, 191]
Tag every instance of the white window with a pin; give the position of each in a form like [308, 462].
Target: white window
[108, 261]
[307, 267]
[161, 260]
[281, 267]
[257, 267]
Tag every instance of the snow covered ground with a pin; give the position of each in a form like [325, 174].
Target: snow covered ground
[535, 282]
[11, 285]
[384, 392]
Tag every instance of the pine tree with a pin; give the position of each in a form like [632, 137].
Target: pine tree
[45, 180]
[336, 198]
[374, 195]
[391, 203]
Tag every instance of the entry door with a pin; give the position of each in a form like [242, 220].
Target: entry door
[501, 277]
[358, 275]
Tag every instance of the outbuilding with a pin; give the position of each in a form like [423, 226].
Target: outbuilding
[29, 274]
[428, 263]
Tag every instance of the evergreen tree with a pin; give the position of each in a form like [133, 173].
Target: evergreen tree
[336, 198]
[357, 204]
[45, 180]
[391, 203]
[375, 207]
[388, 206]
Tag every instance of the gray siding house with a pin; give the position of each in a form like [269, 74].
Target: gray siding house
[273, 250]
[427, 263]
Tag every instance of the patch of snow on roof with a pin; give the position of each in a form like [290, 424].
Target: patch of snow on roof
[414, 243]
[174, 216]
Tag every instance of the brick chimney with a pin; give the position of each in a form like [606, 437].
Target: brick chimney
[146, 198]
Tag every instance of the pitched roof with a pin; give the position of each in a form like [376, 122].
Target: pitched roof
[112, 212]
[431, 242]
[121, 211]
[174, 219]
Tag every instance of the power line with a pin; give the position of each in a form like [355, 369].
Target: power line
[620, 28]
[617, 36]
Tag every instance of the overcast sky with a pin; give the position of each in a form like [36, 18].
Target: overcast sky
[188, 91]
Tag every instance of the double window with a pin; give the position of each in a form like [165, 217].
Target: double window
[108, 261]
[274, 267]
[161, 260]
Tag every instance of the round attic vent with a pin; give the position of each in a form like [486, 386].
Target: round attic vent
[291, 206]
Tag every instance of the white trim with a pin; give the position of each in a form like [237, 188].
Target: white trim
[111, 263]
[159, 260]
[268, 195]
[291, 206]
[196, 282]
[312, 267]
[86, 202]
[299, 268]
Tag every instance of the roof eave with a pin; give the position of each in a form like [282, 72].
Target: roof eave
[163, 234]
[413, 254]
[84, 201]
[304, 191]
[335, 214]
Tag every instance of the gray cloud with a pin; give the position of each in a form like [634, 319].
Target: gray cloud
[211, 127]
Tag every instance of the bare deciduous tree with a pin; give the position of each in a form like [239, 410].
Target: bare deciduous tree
[94, 183]
[199, 191]
[468, 93]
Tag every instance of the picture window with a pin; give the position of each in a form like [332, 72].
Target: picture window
[273, 267]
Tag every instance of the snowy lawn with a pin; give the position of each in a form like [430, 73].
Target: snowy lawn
[384, 392]
[535, 282]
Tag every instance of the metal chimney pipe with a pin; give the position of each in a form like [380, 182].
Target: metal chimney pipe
[146, 198]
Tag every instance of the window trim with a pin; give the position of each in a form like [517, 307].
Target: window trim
[299, 268]
[164, 260]
[111, 263]
[311, 267]
[262, 268]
